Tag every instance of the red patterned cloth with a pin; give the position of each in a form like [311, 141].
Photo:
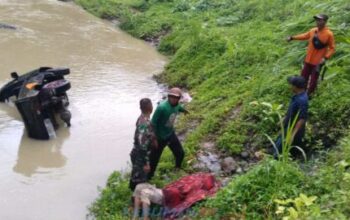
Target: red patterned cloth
[182, 194]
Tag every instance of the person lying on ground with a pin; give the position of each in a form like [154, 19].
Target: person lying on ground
[174, 198]
[144, 195]
[321, 47]
[144, 140]
[298, 111]
[163, 122]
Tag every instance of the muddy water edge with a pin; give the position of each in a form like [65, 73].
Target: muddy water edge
[110, 72]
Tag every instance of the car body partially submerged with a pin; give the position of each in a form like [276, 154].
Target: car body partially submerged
[39, 96]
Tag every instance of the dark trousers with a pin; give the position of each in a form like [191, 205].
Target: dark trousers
[175, 147]
[297, 141]
[138, 175]
[310, 71]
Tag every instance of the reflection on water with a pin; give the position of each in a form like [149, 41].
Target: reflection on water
[110, 73]
[34, 154]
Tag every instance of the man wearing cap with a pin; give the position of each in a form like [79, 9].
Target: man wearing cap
[163, 123]
[320, 48]
[298, 111]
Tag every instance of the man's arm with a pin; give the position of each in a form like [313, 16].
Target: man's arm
[298, 126]
[155, 119]
[145, 140]
[303, 114]
[183, 110]
[331, 47]
[304, 36]
[153, 137]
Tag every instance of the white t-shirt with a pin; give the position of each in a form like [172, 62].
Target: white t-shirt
[148, 193]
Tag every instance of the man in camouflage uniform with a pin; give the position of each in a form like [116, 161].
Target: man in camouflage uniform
[144, 140]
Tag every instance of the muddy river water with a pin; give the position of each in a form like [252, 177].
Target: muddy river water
[110, 72]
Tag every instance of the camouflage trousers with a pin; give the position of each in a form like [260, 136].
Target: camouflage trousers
[138, 175]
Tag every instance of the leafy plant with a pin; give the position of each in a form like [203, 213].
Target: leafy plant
[286, 136]
[182, 6]
[203, 5]
[252, 194]
[114, 200]
[301, 207]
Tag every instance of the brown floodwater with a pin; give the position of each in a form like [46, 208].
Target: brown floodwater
[110, 72]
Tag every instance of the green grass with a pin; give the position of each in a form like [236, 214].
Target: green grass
[229, 53]
[252, 195]
[228, 57]
[114, 199]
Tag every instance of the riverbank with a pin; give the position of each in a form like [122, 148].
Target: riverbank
[57, 179]
[231, 55]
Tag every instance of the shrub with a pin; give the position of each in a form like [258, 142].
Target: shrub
[252, 194]
[114, 199]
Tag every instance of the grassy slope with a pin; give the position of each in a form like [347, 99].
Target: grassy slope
[232, 52]
[252, 195]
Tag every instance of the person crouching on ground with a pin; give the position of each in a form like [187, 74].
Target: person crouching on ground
[163, 123]
[144, 140]
[320, 48]
[297, 111]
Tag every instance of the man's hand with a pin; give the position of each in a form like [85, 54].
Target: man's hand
[147, 168]
[186, 112]
[289, 38]
[323, 61]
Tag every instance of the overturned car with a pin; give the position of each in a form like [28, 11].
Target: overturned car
[40, 95]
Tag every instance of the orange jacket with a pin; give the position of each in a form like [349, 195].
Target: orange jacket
[313, 55]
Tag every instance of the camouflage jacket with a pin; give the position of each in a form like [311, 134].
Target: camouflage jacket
[143, 140]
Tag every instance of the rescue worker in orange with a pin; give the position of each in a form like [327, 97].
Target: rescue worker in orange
[320, 48]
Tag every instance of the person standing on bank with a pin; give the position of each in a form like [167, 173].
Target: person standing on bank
[298, 107]
[163, 123]
[320, 48]
[144, 141]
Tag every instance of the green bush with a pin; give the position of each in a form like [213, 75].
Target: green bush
[181, 6]
[114, 200]
[252, 194]
[331, 183]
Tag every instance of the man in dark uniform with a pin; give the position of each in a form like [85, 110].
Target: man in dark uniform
[163, 122]
[144, 140]
[297, 111]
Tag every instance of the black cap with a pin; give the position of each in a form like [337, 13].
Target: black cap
[321, 16]
[297, 81]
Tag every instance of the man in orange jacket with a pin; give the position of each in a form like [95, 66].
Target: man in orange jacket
[320, 48]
